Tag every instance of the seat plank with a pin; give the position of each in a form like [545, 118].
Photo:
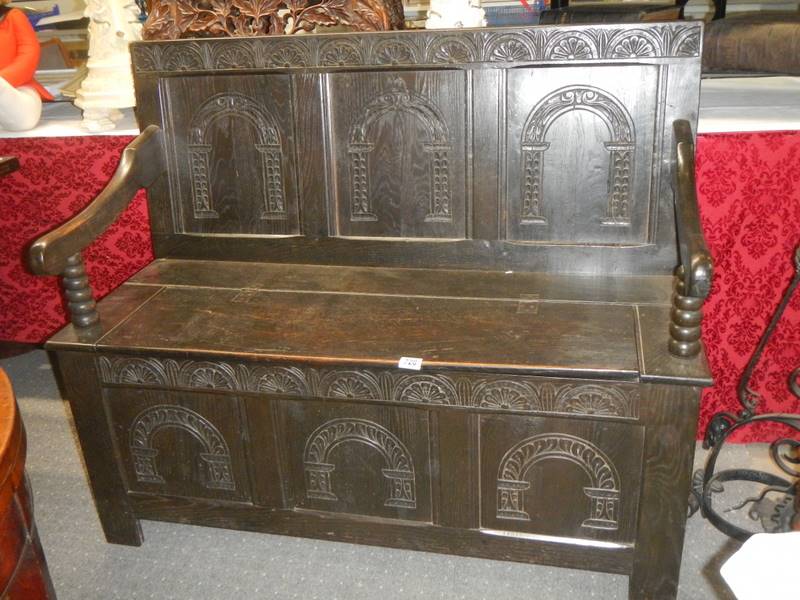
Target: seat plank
[352, 328]
[408, 282]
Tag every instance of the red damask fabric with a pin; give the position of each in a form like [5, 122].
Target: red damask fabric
[749, 191]
[749, 194]
[57, 178]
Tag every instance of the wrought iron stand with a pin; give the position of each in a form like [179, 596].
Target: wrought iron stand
[776, 515]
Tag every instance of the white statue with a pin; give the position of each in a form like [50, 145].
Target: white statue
[446, 14]
[109, 86]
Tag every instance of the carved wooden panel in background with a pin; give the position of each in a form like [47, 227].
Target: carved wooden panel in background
[597, 190]
[483, 391]
[398, 142]
[232, 144]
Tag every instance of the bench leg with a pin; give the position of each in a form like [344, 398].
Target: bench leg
[670, 416]
[80, 384]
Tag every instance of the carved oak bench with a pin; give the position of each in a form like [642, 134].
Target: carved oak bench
[514, 207]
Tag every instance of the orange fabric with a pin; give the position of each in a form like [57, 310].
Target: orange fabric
[19, 52]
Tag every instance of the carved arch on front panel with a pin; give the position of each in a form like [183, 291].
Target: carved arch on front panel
[397, 98]
[604, 486]
[399, 465]
[621, 146]
[149, 422]
[269, 148]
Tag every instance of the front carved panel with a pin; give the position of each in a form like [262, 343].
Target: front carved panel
[398, 141]
[603, 488]
[399, 468]
[151, 420]
[479, 391]
[560, 477]
[358, 459]
[580, 154]
[232, 143]
[177, 443]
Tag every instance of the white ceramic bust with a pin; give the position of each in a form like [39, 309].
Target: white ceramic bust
[109, 86]
[446, 14]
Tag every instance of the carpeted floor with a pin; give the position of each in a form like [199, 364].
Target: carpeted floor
[185, 562]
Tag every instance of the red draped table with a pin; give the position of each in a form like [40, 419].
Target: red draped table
[749, 190]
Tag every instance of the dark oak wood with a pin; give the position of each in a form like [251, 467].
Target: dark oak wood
[80, 384]
[498, 203]
[693, 276]
[667, 471]
[23, 568]
[8, 164]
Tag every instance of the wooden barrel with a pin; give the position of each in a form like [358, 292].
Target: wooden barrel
[23, 569]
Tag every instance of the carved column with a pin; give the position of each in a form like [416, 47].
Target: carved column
[685, 319]
[80, 302]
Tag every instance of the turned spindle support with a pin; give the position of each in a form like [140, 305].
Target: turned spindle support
[80, 302]
[686, 318]
[694, 275]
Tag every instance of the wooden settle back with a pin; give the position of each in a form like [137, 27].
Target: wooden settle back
[538, 149]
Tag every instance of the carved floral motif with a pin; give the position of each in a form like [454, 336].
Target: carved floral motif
[527, 394]
[608, 43]
[175, 19]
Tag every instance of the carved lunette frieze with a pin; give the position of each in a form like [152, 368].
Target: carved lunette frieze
[488, 392]
[538, 44]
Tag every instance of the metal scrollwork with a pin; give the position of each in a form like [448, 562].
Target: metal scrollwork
[775, 515]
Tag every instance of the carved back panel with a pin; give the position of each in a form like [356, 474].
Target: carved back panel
[535, 148]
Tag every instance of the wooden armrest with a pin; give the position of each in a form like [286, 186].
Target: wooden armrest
[693, 277]
[694, 256]
[141, 164]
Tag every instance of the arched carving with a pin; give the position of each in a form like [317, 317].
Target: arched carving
[426, 389]
[135, 371]
[150, 421]
[350, 384]
[399, 465]
[593, 399]
[289, 381]
[621, 146]
[603, 489]
[507, 395]
[398, 99]
[205, 374]
[268, 146]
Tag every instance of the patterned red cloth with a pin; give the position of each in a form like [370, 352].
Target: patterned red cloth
[57, 178]
[749, 194]
[749, 189]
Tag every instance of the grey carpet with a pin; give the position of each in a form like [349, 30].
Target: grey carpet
[181, 561]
